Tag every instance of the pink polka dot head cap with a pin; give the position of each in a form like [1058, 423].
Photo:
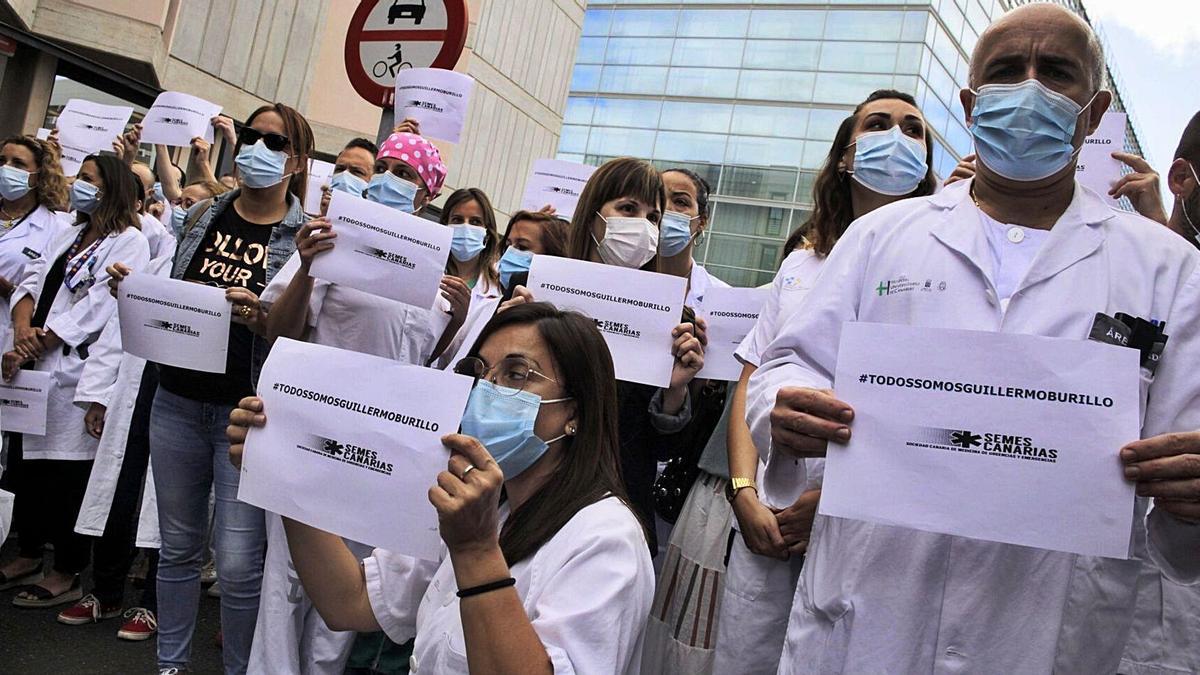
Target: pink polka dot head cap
[418, 153]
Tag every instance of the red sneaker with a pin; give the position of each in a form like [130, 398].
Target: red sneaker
[139, 625]
[87, 610]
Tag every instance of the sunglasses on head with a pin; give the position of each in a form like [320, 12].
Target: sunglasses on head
[273, 141]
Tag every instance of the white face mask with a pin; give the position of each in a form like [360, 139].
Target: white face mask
[628, 242]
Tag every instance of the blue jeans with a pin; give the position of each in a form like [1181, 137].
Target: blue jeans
[190, 456]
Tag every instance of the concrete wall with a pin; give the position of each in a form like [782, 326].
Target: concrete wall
[521, 53]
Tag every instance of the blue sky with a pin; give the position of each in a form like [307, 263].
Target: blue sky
[1155, 45]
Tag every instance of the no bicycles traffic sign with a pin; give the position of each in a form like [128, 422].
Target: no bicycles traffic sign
[386, 36]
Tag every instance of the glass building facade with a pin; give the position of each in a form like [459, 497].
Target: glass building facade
[750, 94]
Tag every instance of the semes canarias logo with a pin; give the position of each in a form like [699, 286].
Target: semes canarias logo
[1009, 446]
[172, 327]
[346, 453]
[386, 256]
[617, 328]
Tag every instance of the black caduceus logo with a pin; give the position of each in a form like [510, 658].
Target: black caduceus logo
[965, 439]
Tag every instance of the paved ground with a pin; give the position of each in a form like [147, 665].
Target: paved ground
[32, 642]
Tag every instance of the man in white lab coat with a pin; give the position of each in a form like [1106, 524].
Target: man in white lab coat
[1021, 248]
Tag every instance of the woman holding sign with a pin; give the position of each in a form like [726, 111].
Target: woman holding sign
[881, 153]
[238, 242]
[554, 579]
[474, 253]
[59, 312]
[616, 223]
[408, 173]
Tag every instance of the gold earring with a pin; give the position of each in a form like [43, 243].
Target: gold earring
[571, 430]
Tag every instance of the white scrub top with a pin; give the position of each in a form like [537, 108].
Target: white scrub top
[874, 598]
[587, 591]
[346, 318]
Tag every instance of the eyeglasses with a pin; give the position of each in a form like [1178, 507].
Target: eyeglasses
[512, 373]
[273, 141]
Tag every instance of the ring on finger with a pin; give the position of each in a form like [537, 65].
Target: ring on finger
[469, 469]
[244, 310]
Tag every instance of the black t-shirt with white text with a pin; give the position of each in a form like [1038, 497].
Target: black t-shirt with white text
[233, 254]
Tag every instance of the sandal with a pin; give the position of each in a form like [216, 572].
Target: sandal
[34, 596]
[32, 577]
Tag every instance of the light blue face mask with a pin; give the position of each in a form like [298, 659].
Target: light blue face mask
[260, 167]
[1025, 131]
[503, 421]
[178, 217]
[14, 182]
[674, 233]
[159, 196]
[889, 162]
[344, 181]
[85, 197]
[391, 190]
[468, 242]
[514, 261]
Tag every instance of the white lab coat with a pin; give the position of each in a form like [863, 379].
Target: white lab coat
[875, 598]
[757, 599]
[113, 378]
[162, 241]
[481, 294]
[22, 245]
[78, 319]
[587, 591]
[698, 284]
[1165, 637]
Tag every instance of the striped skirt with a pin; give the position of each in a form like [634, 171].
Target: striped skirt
[682, 630]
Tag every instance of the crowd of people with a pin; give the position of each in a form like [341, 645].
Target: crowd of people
[593, 525]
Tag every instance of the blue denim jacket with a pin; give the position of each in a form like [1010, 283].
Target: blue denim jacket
[279, 249]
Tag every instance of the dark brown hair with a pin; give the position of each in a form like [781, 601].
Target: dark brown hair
[117, 209]
[300, 139]
[617, 178]
[590, 468]
[833, 208]
[51, 188]
[491, 243]
[553, 231]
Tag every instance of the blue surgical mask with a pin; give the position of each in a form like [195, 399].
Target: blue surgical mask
[468, 242]
[391, 190]
[514, 261]
[1025, 131]
[344, 181]
[14, 182]
[178, 217]
[674, 233]
[158, 193]
[503, 421]
[889, 162]
[85, 197]
[259, 166]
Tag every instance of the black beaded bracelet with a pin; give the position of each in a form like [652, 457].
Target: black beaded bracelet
[486, 588]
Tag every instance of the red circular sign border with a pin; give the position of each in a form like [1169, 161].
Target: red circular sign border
[447, 58]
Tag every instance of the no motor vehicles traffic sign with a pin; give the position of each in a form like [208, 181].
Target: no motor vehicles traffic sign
[386, 36]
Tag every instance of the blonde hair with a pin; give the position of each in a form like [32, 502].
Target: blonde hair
[51, 189]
